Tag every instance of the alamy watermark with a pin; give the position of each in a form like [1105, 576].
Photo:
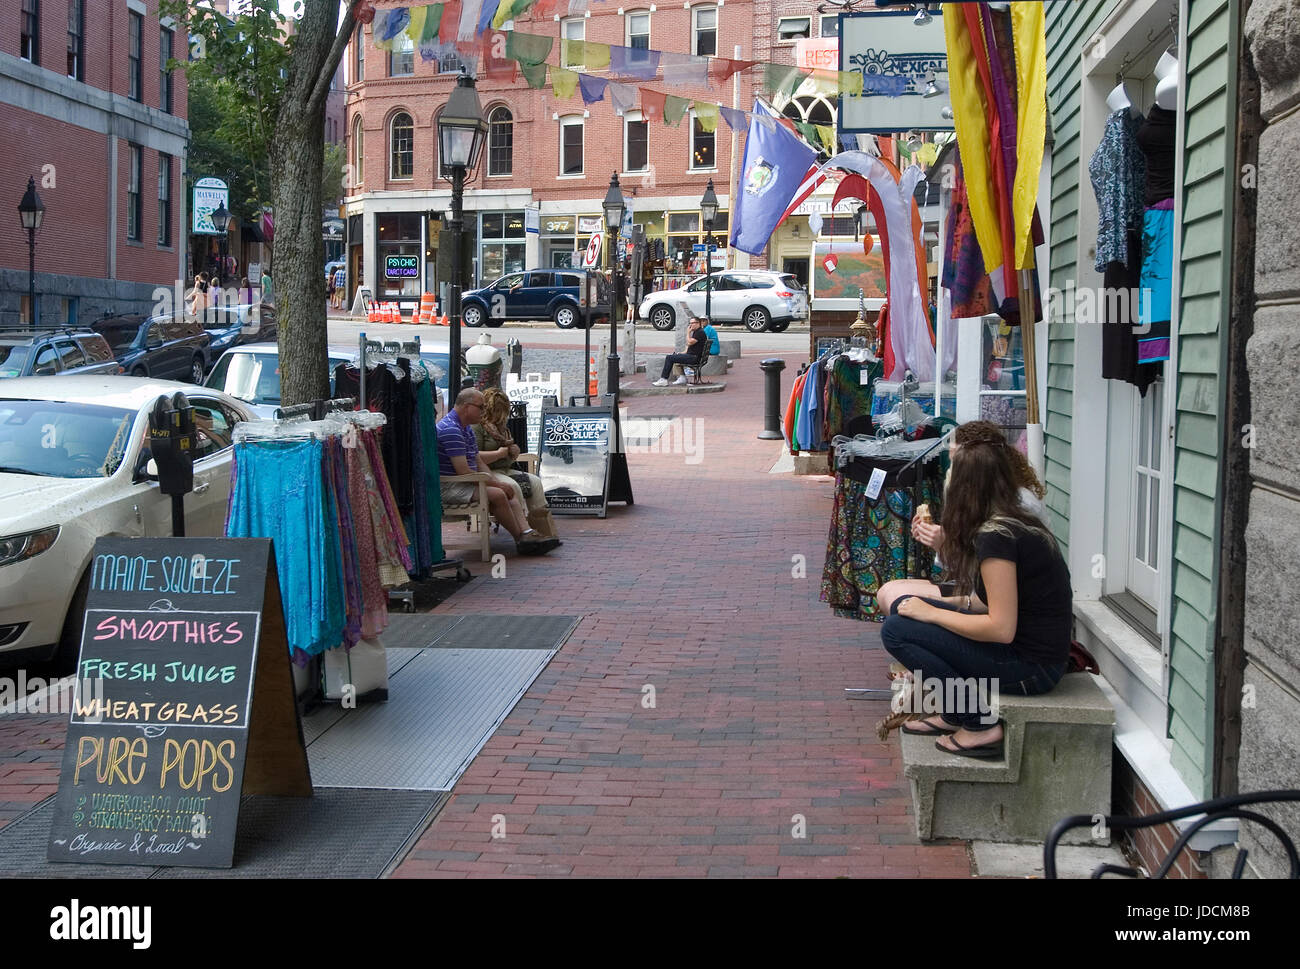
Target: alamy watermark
[37, 695]
[932, 694]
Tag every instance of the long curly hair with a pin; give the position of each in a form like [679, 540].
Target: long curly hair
[986, 432]
[983, 494]
[496, 412]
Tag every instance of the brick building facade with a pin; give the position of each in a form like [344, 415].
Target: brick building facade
[397, 203]
[89, 112]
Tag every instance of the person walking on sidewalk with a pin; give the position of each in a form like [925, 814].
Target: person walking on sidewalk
[697, 351]
[458, 454]
[1010, 623]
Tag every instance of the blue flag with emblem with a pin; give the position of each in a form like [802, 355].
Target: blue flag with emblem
[774, 168]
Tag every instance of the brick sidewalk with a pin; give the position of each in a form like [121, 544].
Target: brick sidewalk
[749, 726]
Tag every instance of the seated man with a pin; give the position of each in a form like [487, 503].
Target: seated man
[697, 352]
[458, 454]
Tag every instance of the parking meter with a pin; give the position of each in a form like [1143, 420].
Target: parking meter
[172, 444]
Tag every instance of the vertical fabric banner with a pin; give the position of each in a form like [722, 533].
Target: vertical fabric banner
[774, 167]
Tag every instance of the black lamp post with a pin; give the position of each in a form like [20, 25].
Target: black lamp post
[462, 130]
[221, 222]
[31, 210]
[709, 214]
[614, 208]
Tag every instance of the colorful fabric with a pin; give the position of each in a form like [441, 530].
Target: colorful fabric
[848, 393]
[781, 81]
[622, 97]
[1157, 265]
[684, 70]
[593, 88]
[564, 83]
[1118, 171]
[870, 544]
[674, 109]
[528, 49]
[707, 115]
[534, 74]
[652, 105]
[963, 272]
[388, 24]
[734, 117]
[1030, 43]
[634, 62]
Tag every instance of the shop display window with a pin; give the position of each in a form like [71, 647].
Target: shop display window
[1002, 380]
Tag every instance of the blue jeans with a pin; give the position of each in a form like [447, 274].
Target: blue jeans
[944, 656]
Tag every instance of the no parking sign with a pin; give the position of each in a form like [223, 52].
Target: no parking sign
[592, 255]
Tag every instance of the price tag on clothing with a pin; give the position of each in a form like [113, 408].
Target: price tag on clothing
[864, 377]
[876, 483]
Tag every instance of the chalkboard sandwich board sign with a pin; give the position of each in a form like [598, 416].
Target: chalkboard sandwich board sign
[184, 701]
[574, 458]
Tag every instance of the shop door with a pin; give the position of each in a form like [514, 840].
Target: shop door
[798, 268]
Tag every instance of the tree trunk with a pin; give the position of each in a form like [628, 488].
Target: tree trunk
[297, 161]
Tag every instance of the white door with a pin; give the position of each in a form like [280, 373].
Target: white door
[1149, 434]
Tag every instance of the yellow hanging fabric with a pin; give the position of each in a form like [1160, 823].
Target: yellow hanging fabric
[707, 115]
[1028, 35]
[971, 119]
[564, 83]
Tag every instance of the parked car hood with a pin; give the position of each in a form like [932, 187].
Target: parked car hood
[29, 501]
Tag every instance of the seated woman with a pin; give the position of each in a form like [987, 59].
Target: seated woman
[1019, 643]
[498, 451]
[928, 533]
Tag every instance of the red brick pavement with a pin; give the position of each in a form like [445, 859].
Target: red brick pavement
[749, 727]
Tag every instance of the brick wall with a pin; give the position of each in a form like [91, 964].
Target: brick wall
[1151, 845]
[536, 161]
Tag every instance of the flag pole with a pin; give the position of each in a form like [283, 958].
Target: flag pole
[1028, 344]
[731, 171]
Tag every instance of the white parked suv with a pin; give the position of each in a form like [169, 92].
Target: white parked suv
[74, 459]
[759, 299]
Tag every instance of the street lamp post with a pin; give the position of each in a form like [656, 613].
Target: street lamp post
[709, 215]
[221, 222]
[462, 130]
[31, 210]
[614, 208]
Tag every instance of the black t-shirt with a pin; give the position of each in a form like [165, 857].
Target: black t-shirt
[1044, 618]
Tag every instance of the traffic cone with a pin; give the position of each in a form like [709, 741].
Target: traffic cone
[372, 314]
[426, 309]
[391, 315]
[445, 321]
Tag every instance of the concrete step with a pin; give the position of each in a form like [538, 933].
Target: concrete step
[1056, 763]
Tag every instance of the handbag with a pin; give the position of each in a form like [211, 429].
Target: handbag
[523, 480]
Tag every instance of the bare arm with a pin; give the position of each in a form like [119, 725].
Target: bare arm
[460, 464]
[997, 625]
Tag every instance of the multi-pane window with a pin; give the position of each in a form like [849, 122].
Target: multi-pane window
[359, 55]
[702, 145]
[501, 142]
[135, 57]
[29, 43]
[164, 199]
[133, 208]
[830, 25]
[401, 147]
[790, 29]
[76, 40]
[571, 146]
[401, 59]
[358, 152]
[570, 30]
[636, 143]
[449, 62]
[704, 31]
[165, 40]
[638, 30]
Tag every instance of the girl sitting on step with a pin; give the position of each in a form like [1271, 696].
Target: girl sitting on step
[1008, 626]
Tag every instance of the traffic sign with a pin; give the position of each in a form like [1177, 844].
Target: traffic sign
[699, 247]
[591, 257]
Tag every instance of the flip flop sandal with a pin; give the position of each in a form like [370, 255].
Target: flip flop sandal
[930, 730]
[991, 751]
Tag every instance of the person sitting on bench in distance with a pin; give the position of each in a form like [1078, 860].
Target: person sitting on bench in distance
[925, 531]
[1019, 643]
[697, 351]
[458, 454]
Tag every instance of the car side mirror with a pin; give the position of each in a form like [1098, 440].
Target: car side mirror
[152, 344]
[148, 471]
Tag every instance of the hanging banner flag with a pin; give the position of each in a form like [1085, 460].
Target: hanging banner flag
[733, 117]
[782, 81]
[427, 41]
[826, 135]
[528, 48]
[534, 74]
[707, 115]
[564, 83]
[684, 70]
[721, 68]
[388, 24]
[633, 62]
[774, 166]
[674, 109]
[622, 96]
[593, 88]
[449, 23]
[652, 105]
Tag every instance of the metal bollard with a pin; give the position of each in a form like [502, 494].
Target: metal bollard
[772, 399]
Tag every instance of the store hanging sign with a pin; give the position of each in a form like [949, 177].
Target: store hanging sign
[817, 53]
[531, 390]
[184, 702]
[590, 223]
[210, 194]
[898, 61]
[532, 220]
[574, 465]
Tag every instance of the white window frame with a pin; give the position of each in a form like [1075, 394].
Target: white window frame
[491, 113]
[792, 40]
[635, 117]
[690, 157]
[627, 26]
[358, 153]
[821, 25]
[392, 123]
[407, 47]
[359, 55]
[565, 25]
[695, 28]
[580, 122]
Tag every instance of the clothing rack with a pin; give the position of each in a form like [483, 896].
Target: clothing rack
[411, 349]
[316, 410]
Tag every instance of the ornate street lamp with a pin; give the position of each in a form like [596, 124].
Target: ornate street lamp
[31, 210]
[615, 205]
[709, 215]
[462, 131]
[221, 222]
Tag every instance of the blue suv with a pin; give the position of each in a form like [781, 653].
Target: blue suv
[561, 295]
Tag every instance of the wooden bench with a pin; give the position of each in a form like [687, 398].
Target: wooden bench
[476, 511]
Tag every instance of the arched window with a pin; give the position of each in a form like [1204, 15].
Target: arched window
[401, 147]
[358, 153]
[501, 142]
[813, 110]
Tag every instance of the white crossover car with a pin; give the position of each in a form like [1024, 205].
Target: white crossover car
[73, 467]
[759, 299]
